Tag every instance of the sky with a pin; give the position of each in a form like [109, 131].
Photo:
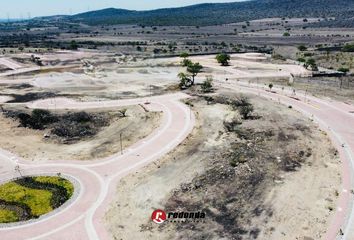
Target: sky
[34, 8]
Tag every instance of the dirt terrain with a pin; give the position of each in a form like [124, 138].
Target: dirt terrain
[105, 143]
[97, 78]
[228, 168]
[270, 175]
[247, 177]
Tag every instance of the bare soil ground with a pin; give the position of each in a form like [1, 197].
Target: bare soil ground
[105, 143]
[104, 77]
[322, 87]
[275, 176]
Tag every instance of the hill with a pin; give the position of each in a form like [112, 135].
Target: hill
[222, 13]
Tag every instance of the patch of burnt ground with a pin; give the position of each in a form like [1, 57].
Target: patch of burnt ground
[20, 86]
[69, 127]
[233, 188]
[33, 96]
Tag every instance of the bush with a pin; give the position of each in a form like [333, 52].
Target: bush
[270, 86]
[39, 119]
[72, 130]
[79, 117]
[343, 70]
[246, 111]
[70, 125]
[302, 48]
[207, 85]
[244, 107]
[239, 102]
[184, 55]
[348, 48]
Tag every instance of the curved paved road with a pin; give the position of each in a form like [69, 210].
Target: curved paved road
[83, 219]
[335, 118]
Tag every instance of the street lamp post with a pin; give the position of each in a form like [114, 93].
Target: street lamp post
[121, 144]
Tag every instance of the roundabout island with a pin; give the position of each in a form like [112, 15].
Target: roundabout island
[31, 197]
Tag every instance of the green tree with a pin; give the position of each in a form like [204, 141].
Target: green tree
[194, 69]
[311, 63]
[223, 59]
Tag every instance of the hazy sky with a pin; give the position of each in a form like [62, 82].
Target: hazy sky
[26, 8]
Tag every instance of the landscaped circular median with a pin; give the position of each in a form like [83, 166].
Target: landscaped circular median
[29, 198]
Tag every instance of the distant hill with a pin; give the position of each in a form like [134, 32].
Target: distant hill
[222, 13]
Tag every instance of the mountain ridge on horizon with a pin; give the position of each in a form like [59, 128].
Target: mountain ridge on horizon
[221, 13]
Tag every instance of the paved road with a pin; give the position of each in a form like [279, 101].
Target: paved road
[337, 119]
[83, 219]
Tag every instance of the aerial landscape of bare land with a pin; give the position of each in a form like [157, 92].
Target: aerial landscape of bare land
[181, 123]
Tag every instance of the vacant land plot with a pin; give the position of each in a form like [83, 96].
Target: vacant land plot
[241, 172]
[74, 135]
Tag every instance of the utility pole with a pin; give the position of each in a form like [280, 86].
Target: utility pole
[55, 104]
[17, 169]
[121, 144]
